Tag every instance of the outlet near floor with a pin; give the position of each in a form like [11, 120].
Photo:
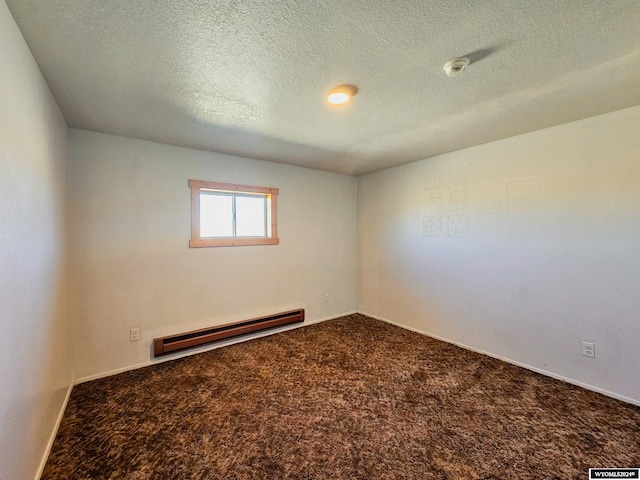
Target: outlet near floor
[134, 334]
[326, 298]
[589, 349]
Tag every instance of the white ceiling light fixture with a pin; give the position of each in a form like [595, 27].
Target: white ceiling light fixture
[341, 94]
[455, 67]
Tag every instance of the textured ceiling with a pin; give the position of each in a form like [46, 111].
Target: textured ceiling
[249, 78]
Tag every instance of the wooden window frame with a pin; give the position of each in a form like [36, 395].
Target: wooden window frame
[271, 195]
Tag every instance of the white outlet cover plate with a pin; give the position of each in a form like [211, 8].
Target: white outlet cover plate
[589, 349]
[134, 334]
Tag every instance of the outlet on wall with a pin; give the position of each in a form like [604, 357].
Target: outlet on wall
[589, 349]
[134, 334]
[326, 298]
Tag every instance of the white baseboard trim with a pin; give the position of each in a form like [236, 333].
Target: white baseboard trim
[632, 401]
[54, 433]
[195, 351]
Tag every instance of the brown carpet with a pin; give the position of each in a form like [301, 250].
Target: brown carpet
[351, 398]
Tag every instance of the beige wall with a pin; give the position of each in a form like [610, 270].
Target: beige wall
[132, 266]
[521, 248]
[35, 347]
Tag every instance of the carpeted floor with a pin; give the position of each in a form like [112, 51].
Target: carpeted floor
[351, 398]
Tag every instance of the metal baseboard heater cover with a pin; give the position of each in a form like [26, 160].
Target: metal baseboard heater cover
[204, 336]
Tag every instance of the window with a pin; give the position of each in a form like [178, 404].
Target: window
[228, 215]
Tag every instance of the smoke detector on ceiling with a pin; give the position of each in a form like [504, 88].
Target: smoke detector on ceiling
[455, 67]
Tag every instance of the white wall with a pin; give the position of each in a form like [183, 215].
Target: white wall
[132, 266]
[521, 248]
[35, 352]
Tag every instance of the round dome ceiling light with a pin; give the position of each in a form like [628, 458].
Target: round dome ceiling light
[341, 94]
[455, 67]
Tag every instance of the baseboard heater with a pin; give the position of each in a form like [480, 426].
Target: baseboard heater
[204, 336]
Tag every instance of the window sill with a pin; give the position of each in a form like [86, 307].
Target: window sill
[232, 242]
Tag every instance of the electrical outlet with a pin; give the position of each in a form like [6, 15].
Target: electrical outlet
[134, 334]
[326, 298]
[589, 349]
